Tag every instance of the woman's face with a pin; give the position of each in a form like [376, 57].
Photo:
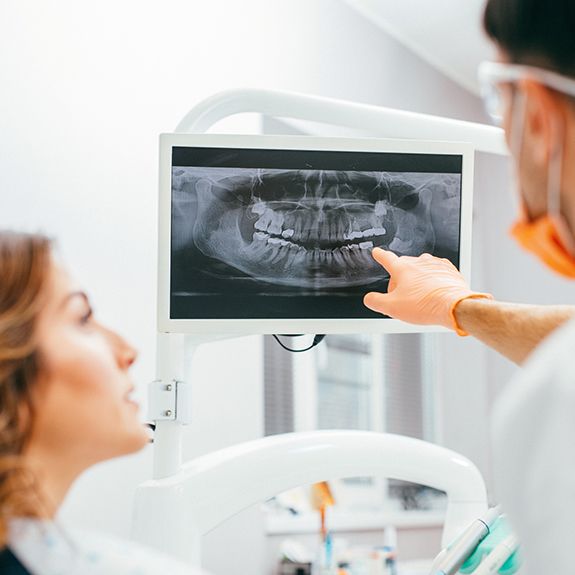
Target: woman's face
[82, 398]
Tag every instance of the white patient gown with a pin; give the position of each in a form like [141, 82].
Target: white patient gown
[534, 455]
[47, 548]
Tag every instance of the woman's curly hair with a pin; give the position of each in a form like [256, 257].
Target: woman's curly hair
[25, 261]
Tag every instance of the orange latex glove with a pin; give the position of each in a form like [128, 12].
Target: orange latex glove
[423, 290]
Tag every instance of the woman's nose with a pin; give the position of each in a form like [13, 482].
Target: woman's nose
[125, 353]
[129, 354]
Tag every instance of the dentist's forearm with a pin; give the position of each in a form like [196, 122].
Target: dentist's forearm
[514, 330]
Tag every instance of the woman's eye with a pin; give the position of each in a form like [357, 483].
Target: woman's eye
[85, 319]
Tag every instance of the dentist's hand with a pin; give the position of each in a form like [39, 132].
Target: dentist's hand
[422, 290]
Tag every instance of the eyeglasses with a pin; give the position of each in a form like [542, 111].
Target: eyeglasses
[494, 75]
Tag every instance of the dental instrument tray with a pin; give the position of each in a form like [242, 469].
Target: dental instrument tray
[273, 234]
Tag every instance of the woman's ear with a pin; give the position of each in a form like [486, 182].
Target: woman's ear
[544, 118]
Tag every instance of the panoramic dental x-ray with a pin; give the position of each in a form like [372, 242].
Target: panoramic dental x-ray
[283, 233]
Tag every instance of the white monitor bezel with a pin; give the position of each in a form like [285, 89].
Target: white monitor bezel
[283, 326]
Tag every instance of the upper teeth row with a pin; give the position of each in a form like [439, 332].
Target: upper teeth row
[369, 233]
[281, 242]
[274, 223]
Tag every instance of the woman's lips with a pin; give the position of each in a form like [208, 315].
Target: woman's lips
[129, 399]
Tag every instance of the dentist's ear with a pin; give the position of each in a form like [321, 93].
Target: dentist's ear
[545, 116]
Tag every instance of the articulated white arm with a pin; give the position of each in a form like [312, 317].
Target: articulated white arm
[378, 121]
[173, 512]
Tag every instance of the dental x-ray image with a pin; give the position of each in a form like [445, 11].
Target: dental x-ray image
[251, 242]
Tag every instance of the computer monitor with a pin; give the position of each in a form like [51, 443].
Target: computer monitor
[273, 234]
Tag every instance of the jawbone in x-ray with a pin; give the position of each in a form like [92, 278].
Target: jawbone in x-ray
[246, 233]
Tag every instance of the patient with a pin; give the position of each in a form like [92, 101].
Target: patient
[64, 406]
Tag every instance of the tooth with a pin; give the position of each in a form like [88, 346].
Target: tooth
[365, 245]
[348, 258]
[284, 243]
[297, 228]
[338, 257]
[276, 223]
[355, 235]
[380, 208]
[280, 254]
[379, 231]
[260, 236]
[258, 208]
[312, 225]
[332, 232]
[299, 259]
[368, 259]
[265, 220]
[288, 233]
[315, 233]
[274, 241]
[291, 254]
[368, 232]
[348, 232]
[340, 231]
[401, 246]
[268, 255]
[257, 248]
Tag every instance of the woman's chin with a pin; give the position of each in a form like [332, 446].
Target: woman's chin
[140, 438]
[134, 437]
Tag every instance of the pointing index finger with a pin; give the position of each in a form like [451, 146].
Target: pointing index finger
[385, 258]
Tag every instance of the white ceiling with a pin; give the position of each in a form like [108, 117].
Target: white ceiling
[445, 33]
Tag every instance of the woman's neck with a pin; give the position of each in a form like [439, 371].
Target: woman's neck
[53, 477]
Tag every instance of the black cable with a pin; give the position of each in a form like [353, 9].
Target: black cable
[316, 340]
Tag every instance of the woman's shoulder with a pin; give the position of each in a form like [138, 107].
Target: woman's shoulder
[46, 548]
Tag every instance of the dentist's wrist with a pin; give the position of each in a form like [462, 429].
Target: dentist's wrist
[462, 307]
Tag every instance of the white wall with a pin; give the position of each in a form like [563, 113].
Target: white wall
[86, 87]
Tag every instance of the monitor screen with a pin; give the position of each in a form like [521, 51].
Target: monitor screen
[260, 233]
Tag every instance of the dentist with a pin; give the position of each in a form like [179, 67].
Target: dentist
[531, 89]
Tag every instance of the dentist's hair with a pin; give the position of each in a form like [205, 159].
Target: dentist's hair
[25, 261]
[534, 32]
